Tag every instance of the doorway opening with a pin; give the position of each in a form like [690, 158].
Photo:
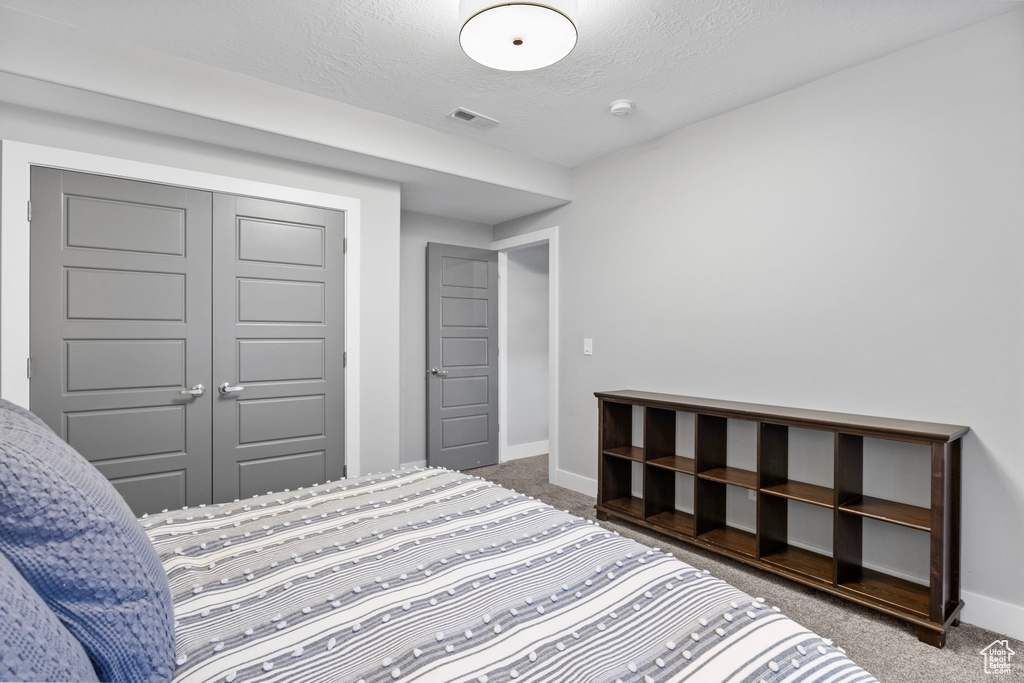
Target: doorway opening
[526, 352]
[528, 343]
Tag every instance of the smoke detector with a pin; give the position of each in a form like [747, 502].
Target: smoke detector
[621, 108]
[473, 118]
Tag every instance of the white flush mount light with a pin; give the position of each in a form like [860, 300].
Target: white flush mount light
[517, 36]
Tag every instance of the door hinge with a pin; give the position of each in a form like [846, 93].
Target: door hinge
[344, 359]
[28, 367]
[344, 246]
[30, 211]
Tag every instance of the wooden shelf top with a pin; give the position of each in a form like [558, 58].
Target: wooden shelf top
[676, 463]
[806, 493]
[627, 452]
[890, 511]
[732, 476]
[796, 417]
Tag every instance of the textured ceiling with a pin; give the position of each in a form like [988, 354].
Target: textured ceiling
[681, 61]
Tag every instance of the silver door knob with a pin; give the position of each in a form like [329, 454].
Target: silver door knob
[226, 388]
[436, 372]
[195, 392]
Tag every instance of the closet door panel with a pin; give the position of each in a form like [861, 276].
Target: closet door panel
[278, 346]
[120, 326]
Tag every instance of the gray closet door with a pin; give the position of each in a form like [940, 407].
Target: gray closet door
[462, 357]
[120, 326]
[278, 319]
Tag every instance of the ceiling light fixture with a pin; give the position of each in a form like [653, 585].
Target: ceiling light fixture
[517, 36]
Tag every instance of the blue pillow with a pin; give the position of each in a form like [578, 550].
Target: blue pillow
[75, 541]
[34, 645]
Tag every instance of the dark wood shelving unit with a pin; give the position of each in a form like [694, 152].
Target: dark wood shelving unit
[931, 608]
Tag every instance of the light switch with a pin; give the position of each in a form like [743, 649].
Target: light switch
[588, 347]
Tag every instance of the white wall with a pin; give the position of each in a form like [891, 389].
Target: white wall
[527, 345]
[379, 409]
[855, 244]
[417, 230]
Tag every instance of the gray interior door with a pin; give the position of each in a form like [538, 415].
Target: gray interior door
[462, 357]
[120, 327]
[278, 339]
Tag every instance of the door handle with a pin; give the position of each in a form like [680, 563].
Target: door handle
[226, 388]
[438, 373]
[195, 392]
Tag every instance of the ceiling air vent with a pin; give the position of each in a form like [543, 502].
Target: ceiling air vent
[472, 118]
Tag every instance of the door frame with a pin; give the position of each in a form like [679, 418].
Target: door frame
[16, 160]
[547, 236]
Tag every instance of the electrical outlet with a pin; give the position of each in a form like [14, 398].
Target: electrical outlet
[588, 347]
[752, 495]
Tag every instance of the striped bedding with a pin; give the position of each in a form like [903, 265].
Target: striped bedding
[433, 575]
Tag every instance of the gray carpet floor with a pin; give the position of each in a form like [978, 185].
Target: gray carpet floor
[885, 646]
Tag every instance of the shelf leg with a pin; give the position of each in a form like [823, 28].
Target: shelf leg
[601, 516]
[930, 637]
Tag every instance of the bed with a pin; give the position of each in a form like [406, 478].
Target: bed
[423, 575]
[433, 575]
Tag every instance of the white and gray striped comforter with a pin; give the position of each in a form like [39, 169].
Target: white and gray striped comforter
[432, 575]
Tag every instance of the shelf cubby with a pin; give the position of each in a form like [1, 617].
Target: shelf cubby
[778, 544]
[713, 524]
[712, 451]
[660, 442]
[660, 497]
[871, 583]
[619, 455]
[809, 479]
[660, 484]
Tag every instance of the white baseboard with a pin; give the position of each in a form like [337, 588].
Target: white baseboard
[995, 615]
[575, 482]
[525, 450]
[979, 610]
[414, 463]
